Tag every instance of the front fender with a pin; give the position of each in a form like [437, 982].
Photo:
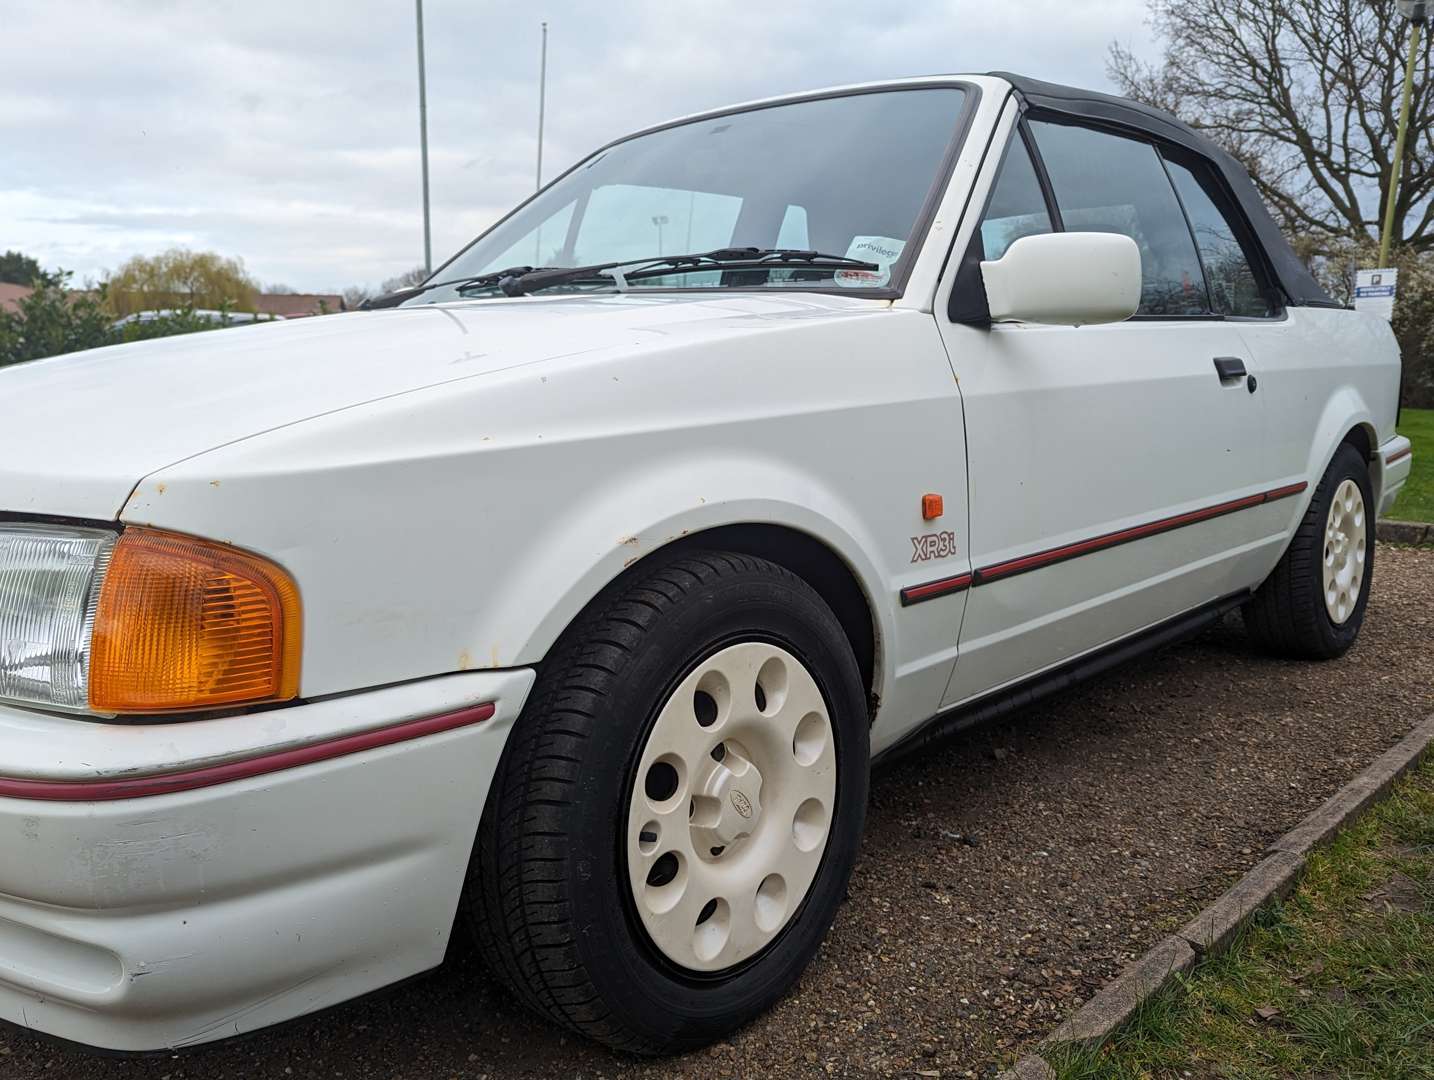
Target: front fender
[637, 512]
[465, 526]
[489, 574]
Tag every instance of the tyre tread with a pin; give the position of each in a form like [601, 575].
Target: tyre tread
[515, 904]
[1284, 616]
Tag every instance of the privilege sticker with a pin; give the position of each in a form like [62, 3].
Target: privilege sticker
[882, 250]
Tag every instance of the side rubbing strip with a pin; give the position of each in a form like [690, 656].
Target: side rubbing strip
[134, 787]
[932, 589]
[1399, 455]
[1285, 492]
[1011, 567]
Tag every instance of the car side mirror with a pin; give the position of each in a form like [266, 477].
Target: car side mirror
[1065, 279]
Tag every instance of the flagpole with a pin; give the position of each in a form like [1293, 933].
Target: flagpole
[423, 145]
[542, 101]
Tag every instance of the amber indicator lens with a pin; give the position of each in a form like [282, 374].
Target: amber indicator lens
[184, 623]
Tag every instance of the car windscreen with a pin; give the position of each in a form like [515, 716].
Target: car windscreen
[845, 175]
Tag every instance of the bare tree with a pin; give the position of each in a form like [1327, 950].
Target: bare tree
[1306, 94]
[405, 280]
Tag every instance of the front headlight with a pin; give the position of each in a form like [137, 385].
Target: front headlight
[49, 588]
[142, 622]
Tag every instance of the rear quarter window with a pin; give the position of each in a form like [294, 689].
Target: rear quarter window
[1234, 287]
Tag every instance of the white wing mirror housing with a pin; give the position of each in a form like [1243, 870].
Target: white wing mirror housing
[1065, 279]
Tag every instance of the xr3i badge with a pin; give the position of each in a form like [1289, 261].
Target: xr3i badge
[937, 545]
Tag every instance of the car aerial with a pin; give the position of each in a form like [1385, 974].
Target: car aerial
[567, 598]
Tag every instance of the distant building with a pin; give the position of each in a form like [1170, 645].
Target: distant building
[297, 305]
[11, 295]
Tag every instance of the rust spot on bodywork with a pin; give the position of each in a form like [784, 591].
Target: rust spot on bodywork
[464, 661]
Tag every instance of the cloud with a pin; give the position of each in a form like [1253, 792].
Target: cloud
[287, 134]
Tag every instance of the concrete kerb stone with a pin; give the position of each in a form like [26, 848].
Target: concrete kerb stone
[1320, 827]
[1028, 1068]
[1404, 532]
[1402, 757]
[1215, 928]
[1094, 1021]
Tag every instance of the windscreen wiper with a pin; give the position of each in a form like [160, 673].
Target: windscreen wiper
[398, 296]
[520, 280]
[745, 258]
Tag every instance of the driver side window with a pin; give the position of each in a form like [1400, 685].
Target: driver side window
[1104, 182]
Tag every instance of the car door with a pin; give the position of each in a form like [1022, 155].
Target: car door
[1306, 355]
[1109, 465]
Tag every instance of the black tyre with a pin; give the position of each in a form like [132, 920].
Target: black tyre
[1312, 606]
[676, 814]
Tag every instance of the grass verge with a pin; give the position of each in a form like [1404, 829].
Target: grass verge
[1338, 981]
[1416, 501]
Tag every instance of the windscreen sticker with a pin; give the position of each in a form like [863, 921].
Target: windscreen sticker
[882, 250]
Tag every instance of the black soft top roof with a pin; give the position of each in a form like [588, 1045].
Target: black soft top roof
[1295, 280]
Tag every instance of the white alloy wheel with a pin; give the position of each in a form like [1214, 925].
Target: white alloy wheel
[1344, 554]
[731, 808]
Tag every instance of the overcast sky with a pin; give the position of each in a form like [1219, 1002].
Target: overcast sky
[286, 133]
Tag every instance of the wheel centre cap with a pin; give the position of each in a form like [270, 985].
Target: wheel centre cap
[731, 802]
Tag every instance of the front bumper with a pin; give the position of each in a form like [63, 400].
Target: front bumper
[136, 916]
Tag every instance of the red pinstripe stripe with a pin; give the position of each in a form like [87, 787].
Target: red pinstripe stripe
[917, 593]
[135, 787]
[1285, 492]
[1123, 536]
[1011, 567]
[1399, 455]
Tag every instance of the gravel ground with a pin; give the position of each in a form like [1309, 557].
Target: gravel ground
[1005, 877]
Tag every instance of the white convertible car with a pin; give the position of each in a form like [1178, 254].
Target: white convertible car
[567, 598]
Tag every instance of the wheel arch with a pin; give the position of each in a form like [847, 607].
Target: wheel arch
[1363, 437]
[1346, 419]
[833, 578]
[811, 558]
